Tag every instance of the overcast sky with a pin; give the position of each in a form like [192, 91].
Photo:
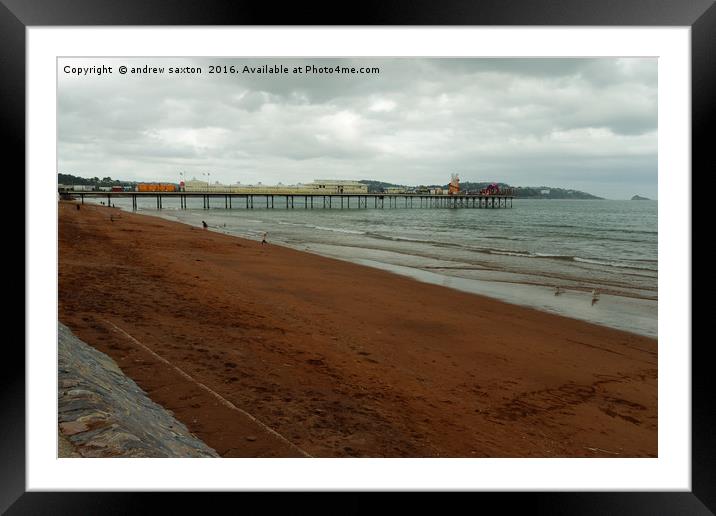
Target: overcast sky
[587, 124]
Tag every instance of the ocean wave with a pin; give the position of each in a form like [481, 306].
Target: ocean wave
[505, 252]
[649, 265]
[621, 265]
[555, 256]
[500, 237]
[380, 236]
[339, 230]
[414, 240]
[591, 229]
[622, 230]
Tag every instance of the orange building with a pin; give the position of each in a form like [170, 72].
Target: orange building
[156, 187]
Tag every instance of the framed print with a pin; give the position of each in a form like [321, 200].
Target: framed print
[415, 250]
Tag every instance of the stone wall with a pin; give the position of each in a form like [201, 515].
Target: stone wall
[104, 413]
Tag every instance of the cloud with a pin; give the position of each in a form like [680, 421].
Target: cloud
[588, 123]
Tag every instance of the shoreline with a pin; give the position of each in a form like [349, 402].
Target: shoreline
[348, 360]
[623, 313]
[630, 313]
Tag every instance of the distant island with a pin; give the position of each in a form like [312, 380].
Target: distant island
[523, 192]
[640, 198]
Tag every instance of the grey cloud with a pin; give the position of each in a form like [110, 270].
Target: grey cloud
[525, 121]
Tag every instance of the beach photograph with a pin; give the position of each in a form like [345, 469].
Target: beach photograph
[357, 257]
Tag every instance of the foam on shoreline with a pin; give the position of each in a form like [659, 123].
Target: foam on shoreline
[632, 314]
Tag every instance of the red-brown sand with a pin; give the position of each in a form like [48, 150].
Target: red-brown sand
[340, 359]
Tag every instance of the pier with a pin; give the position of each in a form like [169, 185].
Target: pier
[309, 200]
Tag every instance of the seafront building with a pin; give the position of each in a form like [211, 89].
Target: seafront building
[318, 186]
[395, 190]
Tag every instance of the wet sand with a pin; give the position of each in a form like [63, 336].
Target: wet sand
[334, 359]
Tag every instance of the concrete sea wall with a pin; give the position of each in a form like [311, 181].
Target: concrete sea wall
[104, 413]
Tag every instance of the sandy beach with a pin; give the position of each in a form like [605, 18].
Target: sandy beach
[334, 359]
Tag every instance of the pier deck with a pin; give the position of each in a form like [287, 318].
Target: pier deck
[310, 201]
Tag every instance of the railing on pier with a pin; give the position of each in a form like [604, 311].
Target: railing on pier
[312, 200]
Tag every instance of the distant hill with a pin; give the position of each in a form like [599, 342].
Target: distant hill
[549, 192]
[640, 198]
[376, 186]
[69, 179]
[525, 192]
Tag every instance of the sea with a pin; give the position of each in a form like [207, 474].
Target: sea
[520, 255]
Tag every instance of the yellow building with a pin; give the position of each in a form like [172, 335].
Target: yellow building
[319, 186]
[394, 189]
[338, 186]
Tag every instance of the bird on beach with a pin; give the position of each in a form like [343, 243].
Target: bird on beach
[557, 291]
[595, 296]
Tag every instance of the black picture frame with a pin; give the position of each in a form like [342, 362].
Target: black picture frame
[700, 15]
